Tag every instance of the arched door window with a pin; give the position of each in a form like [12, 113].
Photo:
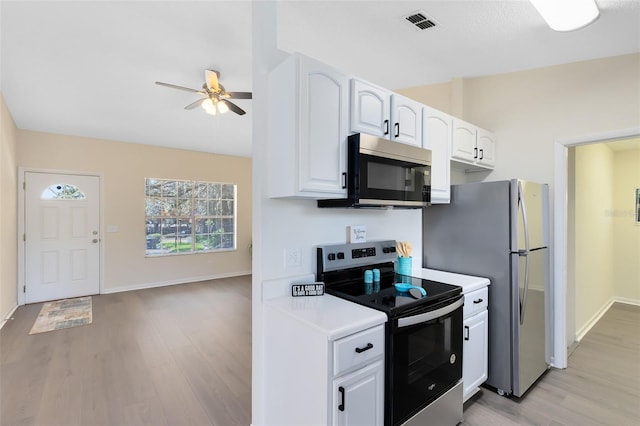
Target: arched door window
[62, 191]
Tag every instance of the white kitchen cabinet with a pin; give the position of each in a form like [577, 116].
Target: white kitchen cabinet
[380, 112]
[326, 362]
[475, 365]
[472, 148]
[436, 136]
[358, 397]
[309, 103]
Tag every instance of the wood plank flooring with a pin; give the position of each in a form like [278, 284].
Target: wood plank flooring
[601, 385]
[178, 355]
[181, 355]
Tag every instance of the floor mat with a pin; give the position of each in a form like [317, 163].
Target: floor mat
[63, 314]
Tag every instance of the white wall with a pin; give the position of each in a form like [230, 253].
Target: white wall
[594, 237]
[626, 250]
[8, 212]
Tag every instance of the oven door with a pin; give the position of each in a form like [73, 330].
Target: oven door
[425, 358]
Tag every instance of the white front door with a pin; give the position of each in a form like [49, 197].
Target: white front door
[62, 236]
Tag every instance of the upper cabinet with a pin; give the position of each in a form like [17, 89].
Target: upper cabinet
[308, 104]
[472, 147]
[379, 112]
[436, 136]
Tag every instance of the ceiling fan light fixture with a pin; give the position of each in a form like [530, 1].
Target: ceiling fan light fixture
[209, 107]
[222, 107]
[567, 15]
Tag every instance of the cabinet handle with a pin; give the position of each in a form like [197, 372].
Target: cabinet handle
[466, 332]
[475, 153]
[366, 348]
[386, 127]
[477, 301]
[341, 406]
[344, 180]
[397, 126]
[481, 154]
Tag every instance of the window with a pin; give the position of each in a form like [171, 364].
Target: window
[189, 216]
[62, 191]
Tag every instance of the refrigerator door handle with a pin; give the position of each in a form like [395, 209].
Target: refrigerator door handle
[525, 223]
[523, 296]
[523, 209]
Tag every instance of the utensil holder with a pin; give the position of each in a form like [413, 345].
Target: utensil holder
[405, 267]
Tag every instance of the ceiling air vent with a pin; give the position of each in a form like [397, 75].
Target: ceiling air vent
[420, 21]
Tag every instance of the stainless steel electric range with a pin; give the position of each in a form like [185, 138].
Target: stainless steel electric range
[423, 341]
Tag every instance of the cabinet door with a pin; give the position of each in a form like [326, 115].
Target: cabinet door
[358, 398]
[406, 120]
[475, 355]
[436, 136]
[486, 148]
[323, 128]
[463, 144]
[370, 109]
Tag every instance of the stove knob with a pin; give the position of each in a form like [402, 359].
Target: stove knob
[392, 249]
[340, 255]
[332, 256]
[385, 249]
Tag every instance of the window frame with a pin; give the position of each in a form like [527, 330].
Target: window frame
[192, 206]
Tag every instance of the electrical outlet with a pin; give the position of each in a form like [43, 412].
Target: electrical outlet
[292, 257]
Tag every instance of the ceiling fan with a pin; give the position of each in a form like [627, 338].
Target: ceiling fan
[215, 99]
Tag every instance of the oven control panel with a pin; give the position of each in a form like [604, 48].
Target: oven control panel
[341, 256]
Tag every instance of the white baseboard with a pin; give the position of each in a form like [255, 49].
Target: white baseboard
[8, 316]
[596, 317]
[628, 301]
[172, 282]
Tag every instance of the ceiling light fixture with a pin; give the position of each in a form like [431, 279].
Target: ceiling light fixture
[567, 15]
[214, 107]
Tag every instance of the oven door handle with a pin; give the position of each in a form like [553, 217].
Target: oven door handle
[428, 316]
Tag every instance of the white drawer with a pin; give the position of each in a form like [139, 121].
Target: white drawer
[475, 302]
[358, 349]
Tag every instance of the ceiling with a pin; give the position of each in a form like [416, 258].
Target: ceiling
[88, 68]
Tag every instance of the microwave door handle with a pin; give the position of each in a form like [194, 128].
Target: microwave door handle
[428, 316]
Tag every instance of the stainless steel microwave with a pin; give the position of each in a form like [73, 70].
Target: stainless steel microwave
[381, 173]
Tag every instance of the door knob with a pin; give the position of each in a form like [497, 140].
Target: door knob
[95, 240]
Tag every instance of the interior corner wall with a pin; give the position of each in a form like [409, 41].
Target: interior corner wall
[594, 231]
[8, 213]
[626, 231]
[124, 167]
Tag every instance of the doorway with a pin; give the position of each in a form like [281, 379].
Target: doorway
[61, 244]
[563, 299]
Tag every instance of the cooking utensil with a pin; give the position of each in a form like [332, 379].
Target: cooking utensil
[404, 288]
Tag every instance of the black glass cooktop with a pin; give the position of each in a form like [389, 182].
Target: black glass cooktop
[349, 284]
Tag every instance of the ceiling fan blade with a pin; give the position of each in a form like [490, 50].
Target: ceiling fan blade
[195, 104]
[173, 86]
[240, 95]
[211, 78]
[233, 107]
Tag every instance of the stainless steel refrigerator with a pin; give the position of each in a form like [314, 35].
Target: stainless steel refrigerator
[500, 230]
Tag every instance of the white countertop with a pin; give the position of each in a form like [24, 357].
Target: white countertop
[467, 282]
[328, 314]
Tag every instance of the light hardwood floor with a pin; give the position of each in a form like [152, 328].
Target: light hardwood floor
[178, 355]
[601, 385]
[182, 355]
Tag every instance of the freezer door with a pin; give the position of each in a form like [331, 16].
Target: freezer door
[529, 212]
[528, 318]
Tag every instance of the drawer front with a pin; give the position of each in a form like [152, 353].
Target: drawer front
[475, 302]
[358, 349]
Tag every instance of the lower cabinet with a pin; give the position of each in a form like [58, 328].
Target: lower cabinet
[475, 350]
[357, 397]
[475, 343]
